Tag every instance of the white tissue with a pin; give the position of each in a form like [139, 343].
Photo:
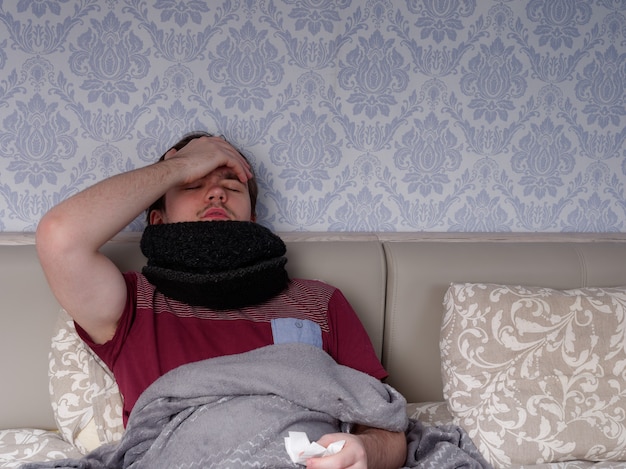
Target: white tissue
[299, 448]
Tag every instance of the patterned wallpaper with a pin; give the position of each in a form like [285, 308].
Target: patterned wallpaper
[358, 115]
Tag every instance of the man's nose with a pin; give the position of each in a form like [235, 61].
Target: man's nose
[216, 192]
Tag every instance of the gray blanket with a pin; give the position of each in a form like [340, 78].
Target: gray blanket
[235, 411]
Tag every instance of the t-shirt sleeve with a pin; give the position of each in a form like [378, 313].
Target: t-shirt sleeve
[352, 345]
[109, 351]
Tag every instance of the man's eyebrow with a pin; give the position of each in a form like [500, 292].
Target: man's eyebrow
[229, 174]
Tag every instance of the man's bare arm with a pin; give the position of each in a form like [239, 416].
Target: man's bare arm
[385, 450]
[86, 283]
[366, 448]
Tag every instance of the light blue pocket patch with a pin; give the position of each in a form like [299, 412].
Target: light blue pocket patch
[291, 330]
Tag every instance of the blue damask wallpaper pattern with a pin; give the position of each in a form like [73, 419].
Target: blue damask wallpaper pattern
[358, 115]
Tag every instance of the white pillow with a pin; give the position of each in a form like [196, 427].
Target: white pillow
[537, 375]
[86, 401]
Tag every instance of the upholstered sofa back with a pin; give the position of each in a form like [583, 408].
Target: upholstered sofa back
[419, 272]
[396, 283]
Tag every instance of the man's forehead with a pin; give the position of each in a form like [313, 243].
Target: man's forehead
[224, 172]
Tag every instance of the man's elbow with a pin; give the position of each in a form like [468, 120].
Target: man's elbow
[54, 240]
[48, 236]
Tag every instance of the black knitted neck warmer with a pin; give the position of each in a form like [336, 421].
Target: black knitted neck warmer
[217, 264]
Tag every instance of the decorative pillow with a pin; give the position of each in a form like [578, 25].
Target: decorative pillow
[537, 375]
[85, 398]
[18, 446]
[431, 413]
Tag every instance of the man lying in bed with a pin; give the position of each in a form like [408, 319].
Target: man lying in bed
[215, 283]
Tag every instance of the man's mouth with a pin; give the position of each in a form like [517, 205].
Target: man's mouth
[215, 213]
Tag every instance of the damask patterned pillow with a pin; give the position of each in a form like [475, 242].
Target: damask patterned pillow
[18, 446]
[85, 398]
[431, 413]
[536, 375]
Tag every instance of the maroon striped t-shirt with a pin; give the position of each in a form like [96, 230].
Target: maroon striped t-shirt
[157, 334]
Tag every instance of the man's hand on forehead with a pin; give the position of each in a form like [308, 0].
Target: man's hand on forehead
[212, 153]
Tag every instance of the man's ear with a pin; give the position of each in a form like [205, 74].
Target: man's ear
[156, 217]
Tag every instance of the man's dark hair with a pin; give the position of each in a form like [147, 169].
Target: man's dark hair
[159, 204]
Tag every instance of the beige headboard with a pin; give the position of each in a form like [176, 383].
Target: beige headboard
[420, 270]
[27, 314]
[395, 282]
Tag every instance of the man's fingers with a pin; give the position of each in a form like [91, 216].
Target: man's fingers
[169, 153]
[217, 150]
